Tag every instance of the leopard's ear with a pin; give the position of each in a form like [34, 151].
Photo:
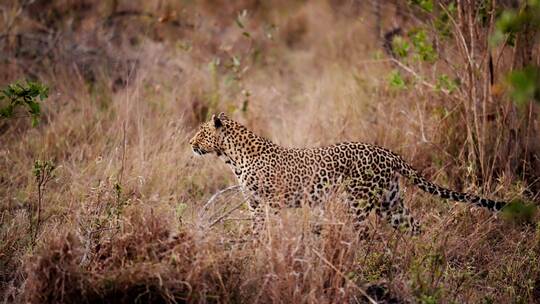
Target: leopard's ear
[217, 121]
[222, 116]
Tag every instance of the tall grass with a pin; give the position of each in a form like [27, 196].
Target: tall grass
[129, 84]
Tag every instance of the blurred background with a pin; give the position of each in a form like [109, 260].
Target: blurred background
[99, 189]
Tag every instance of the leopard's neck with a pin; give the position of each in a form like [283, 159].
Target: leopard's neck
[240, 147]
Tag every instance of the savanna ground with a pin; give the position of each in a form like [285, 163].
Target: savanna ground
[121, 216]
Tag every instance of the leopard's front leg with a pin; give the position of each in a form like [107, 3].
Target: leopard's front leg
[257, 215]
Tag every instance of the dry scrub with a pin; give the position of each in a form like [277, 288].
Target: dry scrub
[131, 80]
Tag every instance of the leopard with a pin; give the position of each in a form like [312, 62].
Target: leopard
[272, 175]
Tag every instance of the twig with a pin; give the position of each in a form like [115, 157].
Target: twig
[462, 44]
[40, 198]
[239, 219]
[418, 77]
[214, 197]
[124, 144]
[43, 176]
[362, 291]
[226, 214]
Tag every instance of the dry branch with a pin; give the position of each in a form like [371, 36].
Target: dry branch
[214, 198]
[217, 194]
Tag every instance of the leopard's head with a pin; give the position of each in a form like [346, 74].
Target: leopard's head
[207, 138]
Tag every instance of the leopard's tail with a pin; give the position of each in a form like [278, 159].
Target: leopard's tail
[409, 172]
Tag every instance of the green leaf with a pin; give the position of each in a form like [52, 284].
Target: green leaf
[400, 46]
[443, 24]
[23, 95]
[8, 92]
[34, 108]
[525, 85]
[423, 47]
[37, 168]
[508, 22]
[426, 5]
[180, 208]
[239, 23]
[397, 81]
[6, 112]
[35, 121]
[44, 95]
[519, 211]
[235, 61]
[444, 82]
[511, 22]
[241, 18]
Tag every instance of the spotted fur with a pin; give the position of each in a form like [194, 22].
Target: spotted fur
[279, 176]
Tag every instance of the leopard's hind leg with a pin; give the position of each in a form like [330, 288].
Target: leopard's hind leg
[360, 204]
[394, 211]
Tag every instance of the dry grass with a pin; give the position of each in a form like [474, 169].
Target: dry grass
[121, 217]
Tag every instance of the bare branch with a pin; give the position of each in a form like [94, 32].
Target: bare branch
[225, 214]
[418, 77]
[217, 194]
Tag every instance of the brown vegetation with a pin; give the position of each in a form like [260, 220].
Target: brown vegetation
[131, 80]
